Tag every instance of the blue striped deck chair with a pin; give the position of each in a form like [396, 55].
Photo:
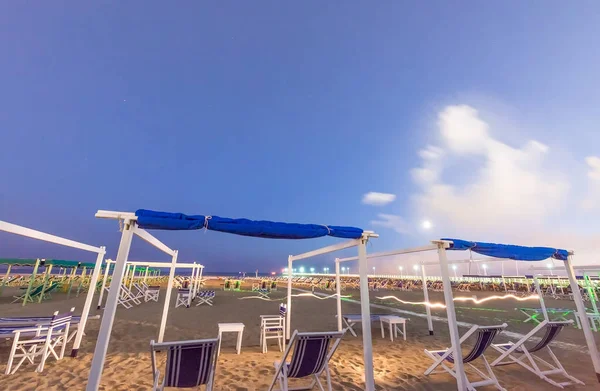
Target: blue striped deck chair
[485, 337]
[518, 353]
[310, 358]
[30, 343]
[205, 297]
[190, 364]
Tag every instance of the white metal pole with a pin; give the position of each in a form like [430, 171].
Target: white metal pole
[88, 302]
[517, 266]
[110, 309]
[146, 274]
[536, 283]
[585, 325]
[426, 296]
[288, 313]
[363, 268]
[191, 287]
[132, 276]
[125, 277]
[103, 283]
[461, 380]
[200, 278]
[165, 314]
[338, 291]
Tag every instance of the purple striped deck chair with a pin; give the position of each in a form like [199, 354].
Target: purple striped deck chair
[518, 353]
[445, 358]
[30, 343]
[190, 364]
[310, 358]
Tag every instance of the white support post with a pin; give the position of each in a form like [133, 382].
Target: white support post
[585, 325]
[426, 297]
[200, 278]
[88, 302]
[363, 270]
[191, 286]
[131, 276]
[542, 302]
[108, 263]
[461, 379]
[338, 291]
[146, 273]
[110, 309]
[165, 314]
[125, 277]
[288, 313]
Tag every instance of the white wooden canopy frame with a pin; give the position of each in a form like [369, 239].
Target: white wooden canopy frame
[101, 251]
[441, 246]
[196, 276]
[130, 228]
[361, 243]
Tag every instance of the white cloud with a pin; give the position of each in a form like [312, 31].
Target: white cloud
[491, 186]
[394, 222]
[475, 185]
[594, 163]
[378, 199]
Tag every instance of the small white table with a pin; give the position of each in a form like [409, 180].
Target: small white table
[231, 328]
[393, 321]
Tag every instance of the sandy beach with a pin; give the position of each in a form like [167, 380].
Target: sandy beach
[398, 365]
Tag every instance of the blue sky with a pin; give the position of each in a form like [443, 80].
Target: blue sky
[292, 112]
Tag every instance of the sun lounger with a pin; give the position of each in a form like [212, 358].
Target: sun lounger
[485, 337]
[558, 314]
[518, 353]
[310, 358]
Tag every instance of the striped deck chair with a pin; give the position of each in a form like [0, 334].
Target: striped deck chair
[485, 337]
[190, 364]
[205, 297]
[183, 298]
[518, 353]
[310, 358]
[40, 342]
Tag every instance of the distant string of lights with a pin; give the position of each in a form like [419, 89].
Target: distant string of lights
[461, 299]
[308, 294]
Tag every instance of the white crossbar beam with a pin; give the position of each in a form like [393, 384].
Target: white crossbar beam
[394, 252]
[32, 233]
[326, 250]
[111, 214]
[160, 264]
[143, 234]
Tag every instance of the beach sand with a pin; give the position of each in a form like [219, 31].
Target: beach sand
[398, 365]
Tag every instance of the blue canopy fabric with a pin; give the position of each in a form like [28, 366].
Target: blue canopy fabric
[509, 251]
[149, 219]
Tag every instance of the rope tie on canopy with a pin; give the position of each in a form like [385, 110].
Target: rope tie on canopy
[328, 230]
[206, 218]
